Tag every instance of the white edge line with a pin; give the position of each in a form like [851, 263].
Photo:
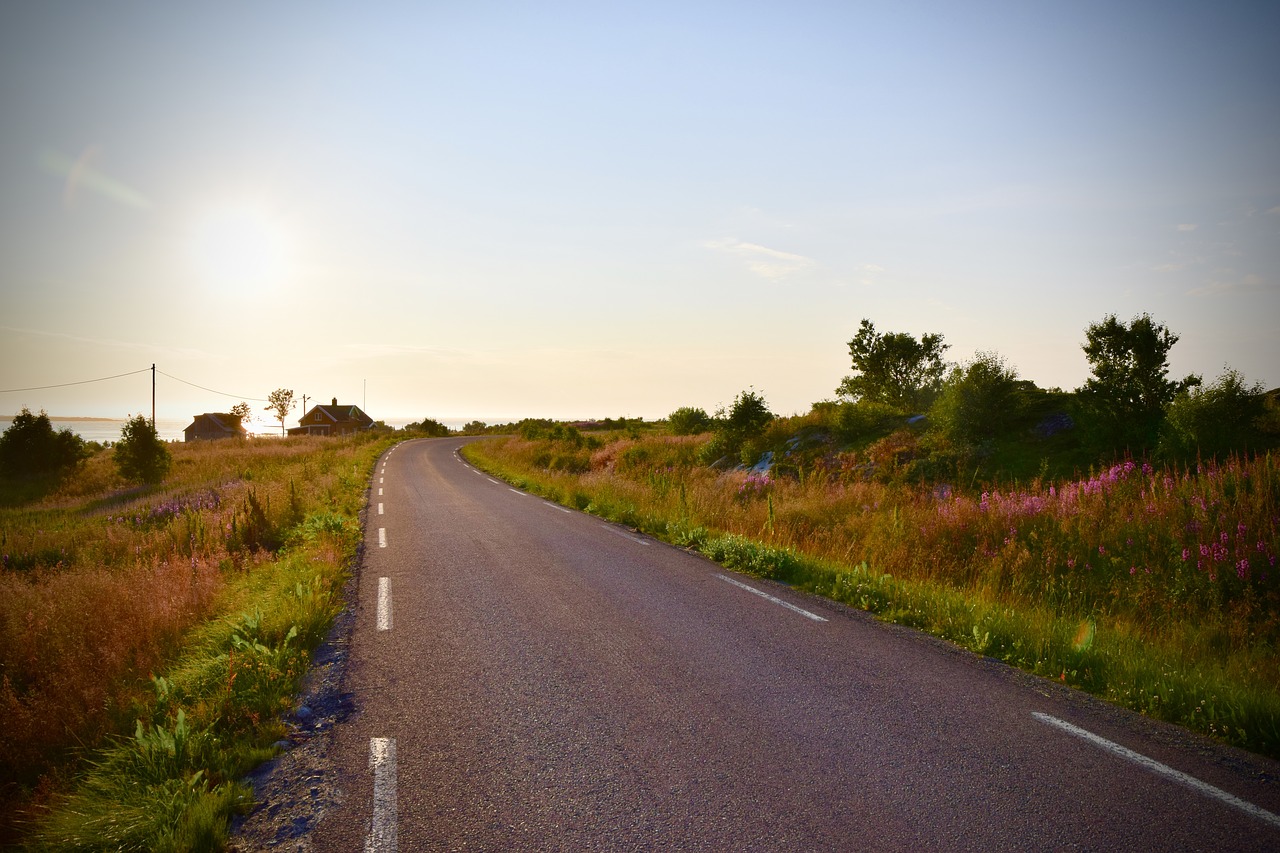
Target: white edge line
[491, 480]
[614, 530]
[814, 616]
[1162, 769]
[557, 506]
[382, 537]
[518, 492]
[382, 826]
[384, 604]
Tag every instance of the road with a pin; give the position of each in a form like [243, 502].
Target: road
[530, 678]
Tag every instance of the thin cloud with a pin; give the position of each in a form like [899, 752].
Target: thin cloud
[1188, 226]
[761, 260]
[1274, 210]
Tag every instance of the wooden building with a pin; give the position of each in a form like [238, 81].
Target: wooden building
[212, 425]
[332, 419]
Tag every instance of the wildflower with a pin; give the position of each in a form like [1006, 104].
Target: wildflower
[1133, 570]
[1185, 554]
[1242, 568]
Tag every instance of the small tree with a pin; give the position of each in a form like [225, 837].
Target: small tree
[241, 410]
[140, 454]
[279, 403]
[688, 420]
[894, 368]
[1130, 388]
[431, 427]
[30, 446]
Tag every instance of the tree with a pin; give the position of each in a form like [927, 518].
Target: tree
[431, 427]
[30, 446]
[241, 410]
[279, 402]
[894, 367]
[688, 420]
[1130, 388]
[140, 454]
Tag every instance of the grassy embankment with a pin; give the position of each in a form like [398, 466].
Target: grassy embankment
[1155, 589]
[152, 637]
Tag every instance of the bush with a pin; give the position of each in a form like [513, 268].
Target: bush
[689, 421]
[979, 401]
[140, 454]
[1213, 420]
[865, 419]
[31, 447]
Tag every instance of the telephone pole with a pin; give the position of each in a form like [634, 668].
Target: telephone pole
[153, 395]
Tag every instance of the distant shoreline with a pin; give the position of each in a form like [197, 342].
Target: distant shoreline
[64, 418]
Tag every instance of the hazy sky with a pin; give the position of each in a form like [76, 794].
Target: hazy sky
[492, 210]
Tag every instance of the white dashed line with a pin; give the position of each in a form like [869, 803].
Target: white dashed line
[382, 827]
[740, 585]
[380, 479]
[617, 532]
[557, 506]
[1162, 769]
[384, 604]
[382, 537]
[518, 492]
[491, 480]
[379, 491]
[379, 509]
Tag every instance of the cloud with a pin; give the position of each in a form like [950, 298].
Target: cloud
[1169, 267]
[381, 350]
[1225, 281]
[1188, 226]
[761, 260]
[1275, 210]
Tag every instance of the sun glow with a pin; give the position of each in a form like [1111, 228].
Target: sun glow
[241, 248]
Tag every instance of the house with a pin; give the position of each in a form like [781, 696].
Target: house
[332, 419]
[214, 425]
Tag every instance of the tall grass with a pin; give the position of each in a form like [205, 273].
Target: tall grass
[189, 606]
[1155, 588]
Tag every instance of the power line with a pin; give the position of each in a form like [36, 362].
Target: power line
[210, 390]
[68, 384]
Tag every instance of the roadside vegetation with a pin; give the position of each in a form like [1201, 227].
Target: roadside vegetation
[1121, 538]
[158, 607]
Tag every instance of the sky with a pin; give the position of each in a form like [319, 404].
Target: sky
[492, 210]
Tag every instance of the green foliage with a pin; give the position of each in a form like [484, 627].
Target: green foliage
[894, 368]
[140, 454]
[430, 428]
[688, 420]
[475, 428]
[30, 447]
[978, 402]
[279, 403]
[864, 420]
[1130, 388]
[738, 431]
[1215, 420]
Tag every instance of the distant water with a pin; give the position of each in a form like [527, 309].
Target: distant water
[103, 430]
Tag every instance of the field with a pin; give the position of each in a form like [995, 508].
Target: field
[151, 637]
[1156, 588]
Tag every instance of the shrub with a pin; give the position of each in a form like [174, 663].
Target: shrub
[865, 419]
[31, 447]
[140, 454]
[1213, 420]
[687, 420]
[979, 401]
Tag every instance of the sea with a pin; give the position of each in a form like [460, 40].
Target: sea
[103, 430]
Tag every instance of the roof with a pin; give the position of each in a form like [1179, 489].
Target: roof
[217, 422]
[337, 414]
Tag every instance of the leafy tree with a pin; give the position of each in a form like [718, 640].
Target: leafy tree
[241, 410]
[30, 446]
[688, 420]
[1130, 388]
[432, 428]
[894, 367]
[1214, 420]
[140, 454]
[474, 428]
[279, 402]
[749, 414]
[978, 402]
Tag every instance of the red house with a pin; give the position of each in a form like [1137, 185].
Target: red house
[214, 425]
[332, 419]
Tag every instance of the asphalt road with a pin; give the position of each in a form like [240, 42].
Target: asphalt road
[529, 678]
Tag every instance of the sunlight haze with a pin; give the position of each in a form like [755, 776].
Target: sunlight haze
[577, 210]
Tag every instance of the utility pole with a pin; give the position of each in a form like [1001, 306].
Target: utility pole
[153, 395]
[305, 398]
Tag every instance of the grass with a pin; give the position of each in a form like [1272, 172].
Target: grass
[152, 637]
[1156, 589]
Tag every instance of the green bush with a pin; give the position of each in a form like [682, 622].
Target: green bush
[1213, 420]
[979, 401]
[31, 447]
[688, 420]
[140, 454]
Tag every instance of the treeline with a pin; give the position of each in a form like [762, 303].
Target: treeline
[911, 410]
